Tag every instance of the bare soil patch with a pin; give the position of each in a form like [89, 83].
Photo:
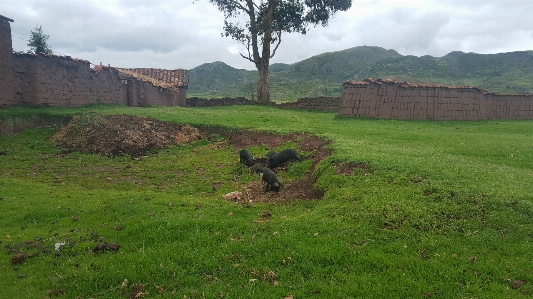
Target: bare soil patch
[300, 190]
[348, 168]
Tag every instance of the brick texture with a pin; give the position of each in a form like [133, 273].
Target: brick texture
[51, 80]
[7, 89]
[394, 100]
[62, 81]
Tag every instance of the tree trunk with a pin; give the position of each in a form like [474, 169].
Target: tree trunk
[263, 94]
[262, 62]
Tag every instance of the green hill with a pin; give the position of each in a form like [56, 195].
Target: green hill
[219, 79]
[333, 66]
[323, 75]
[504, 72]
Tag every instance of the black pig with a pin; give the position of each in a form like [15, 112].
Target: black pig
[269, 177]
[271, 154]
[282, 157]
[246, 157]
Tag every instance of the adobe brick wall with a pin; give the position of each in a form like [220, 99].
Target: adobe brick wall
[155, 86]
[7, 90]
[62, 81]
[320, 103]
[142, 93]
[509, 106]
[393, 100]
[51, 80]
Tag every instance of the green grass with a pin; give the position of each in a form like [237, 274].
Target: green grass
[445, 210]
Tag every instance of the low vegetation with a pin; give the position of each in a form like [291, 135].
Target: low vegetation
[409, 209]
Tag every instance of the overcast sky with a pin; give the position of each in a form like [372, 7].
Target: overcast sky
[185, 33]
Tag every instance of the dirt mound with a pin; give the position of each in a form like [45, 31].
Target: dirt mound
[115, 135]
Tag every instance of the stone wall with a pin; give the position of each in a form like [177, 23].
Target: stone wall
[7, 90]
[393, 100]
[320, 103]
[201, 102]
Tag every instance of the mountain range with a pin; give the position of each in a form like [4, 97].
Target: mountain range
[324, 74]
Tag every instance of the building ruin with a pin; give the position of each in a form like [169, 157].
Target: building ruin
[39, 79]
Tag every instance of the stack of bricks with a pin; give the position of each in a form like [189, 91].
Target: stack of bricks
[393, 100]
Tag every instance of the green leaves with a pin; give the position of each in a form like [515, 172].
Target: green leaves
[289, 15]
[321, 10]
[38, 40]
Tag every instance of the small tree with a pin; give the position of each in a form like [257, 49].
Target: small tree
[266, 21]
[37, 41]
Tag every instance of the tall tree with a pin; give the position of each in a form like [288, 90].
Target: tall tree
[266, 20]
[38, 42]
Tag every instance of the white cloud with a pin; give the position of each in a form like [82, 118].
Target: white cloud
[186, 33]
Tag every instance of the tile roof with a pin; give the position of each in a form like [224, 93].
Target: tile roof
[176, 78]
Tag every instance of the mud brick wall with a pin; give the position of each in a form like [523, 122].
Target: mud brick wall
[320, 103]
[62, 81]
[201, 102]
[145, 86]
[393, 100]
[7, 89]
[51, 80]
[142, 93]
[509, 106]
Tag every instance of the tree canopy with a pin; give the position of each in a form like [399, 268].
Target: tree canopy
[38, 42]
[266, 20]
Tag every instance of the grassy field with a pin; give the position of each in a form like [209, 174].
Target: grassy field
[444, 210]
